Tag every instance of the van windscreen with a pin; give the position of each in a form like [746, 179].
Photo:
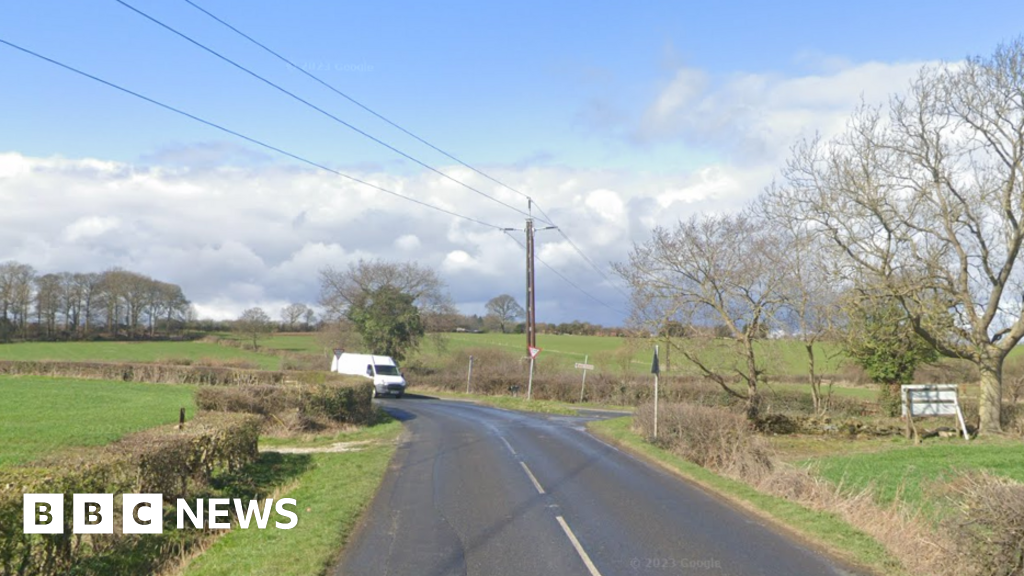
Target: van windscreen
[386, 370]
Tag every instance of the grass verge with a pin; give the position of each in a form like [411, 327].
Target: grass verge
[330, 496]
[42, 415]
[822, 529]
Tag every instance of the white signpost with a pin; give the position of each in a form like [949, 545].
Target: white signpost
[932, 400]
[584, 366]
[533, 356]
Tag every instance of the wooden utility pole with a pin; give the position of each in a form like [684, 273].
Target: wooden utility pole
[531, 288]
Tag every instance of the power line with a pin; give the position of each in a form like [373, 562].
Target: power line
[580, 252]
[332, 88]
[314, 106]
[566, 280]
[240, 135]
[547, 219]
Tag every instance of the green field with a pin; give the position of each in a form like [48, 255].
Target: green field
[608, 352]
[906, 473]
[42, 416]
[137, 352]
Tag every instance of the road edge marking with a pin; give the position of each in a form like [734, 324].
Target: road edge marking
[536, 484]
[579, 547]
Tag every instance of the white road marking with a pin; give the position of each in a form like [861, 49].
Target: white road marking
[533, 478]
[579, 548]
[507, 445]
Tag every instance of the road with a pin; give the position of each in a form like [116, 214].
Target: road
[474, 490]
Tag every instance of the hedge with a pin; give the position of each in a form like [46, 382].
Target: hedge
[166, 374]
[300, 406]
[176, 463]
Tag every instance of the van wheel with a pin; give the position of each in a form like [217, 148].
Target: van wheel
[398, 395]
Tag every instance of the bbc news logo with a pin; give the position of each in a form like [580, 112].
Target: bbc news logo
[143, 513]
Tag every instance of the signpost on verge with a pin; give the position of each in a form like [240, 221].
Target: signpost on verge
[533, 355]
[931, 400]
[469, 375]
[655, 369]
[584, 366]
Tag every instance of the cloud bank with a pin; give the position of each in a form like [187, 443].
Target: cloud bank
[237, 229]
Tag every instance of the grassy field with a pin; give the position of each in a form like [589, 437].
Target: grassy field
[611, 353]
[330, 496]
[907, 472]
[42, 416]
[135, 352]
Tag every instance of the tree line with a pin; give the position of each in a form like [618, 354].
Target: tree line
[902, 236]
[116, 303]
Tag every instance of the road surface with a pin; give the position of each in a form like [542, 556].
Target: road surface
[474, 490]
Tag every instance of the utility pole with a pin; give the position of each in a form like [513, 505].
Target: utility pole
[531, 285]
[531, 289]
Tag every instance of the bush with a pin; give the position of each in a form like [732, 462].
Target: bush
[988, 530]
[177, 463]
[297, 407]
[166, 374]
[714, 438]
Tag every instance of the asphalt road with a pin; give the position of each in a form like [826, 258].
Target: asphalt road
[479, 491]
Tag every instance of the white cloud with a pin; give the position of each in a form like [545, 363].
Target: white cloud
[90, 227]
[407, 242]
[758, 116]
[257, 233]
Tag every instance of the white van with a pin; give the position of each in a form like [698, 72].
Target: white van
[382, 370]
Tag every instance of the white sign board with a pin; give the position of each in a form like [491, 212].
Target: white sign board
[533, 351]
[582, 366]
[930, 399]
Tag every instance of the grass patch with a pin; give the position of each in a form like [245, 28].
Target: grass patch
[906, 472]
[330, 496]
[45, 415]
[153, 352]
[824, 529]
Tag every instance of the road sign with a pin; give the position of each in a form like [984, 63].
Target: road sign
[533, 351]
[583, 366]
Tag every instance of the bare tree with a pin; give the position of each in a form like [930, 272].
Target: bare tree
[923, 198]
[708, 271]
[291, 314]
[812, 288]
[340, 289]
[16, 293]
[505, 311]
[254, 323]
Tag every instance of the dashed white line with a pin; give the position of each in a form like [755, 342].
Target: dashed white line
[507, 445]
[579, 548]
[540, 489]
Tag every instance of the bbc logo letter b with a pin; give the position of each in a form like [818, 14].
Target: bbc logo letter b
[44, 513]
[92, 513]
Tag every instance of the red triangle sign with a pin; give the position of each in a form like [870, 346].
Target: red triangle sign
[533, 351]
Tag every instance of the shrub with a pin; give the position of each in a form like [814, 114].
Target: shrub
[296, 406]
[166, 374]
[988, 530]
[178, 463]
[714, 438]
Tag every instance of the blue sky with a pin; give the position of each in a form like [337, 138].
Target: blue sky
[568, 100]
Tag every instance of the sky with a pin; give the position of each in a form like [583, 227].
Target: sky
[613, 117]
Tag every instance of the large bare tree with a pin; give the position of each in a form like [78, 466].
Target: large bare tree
[812, 289]
[924, 200]
[340, 289]
[709, 272]
[504, 310]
